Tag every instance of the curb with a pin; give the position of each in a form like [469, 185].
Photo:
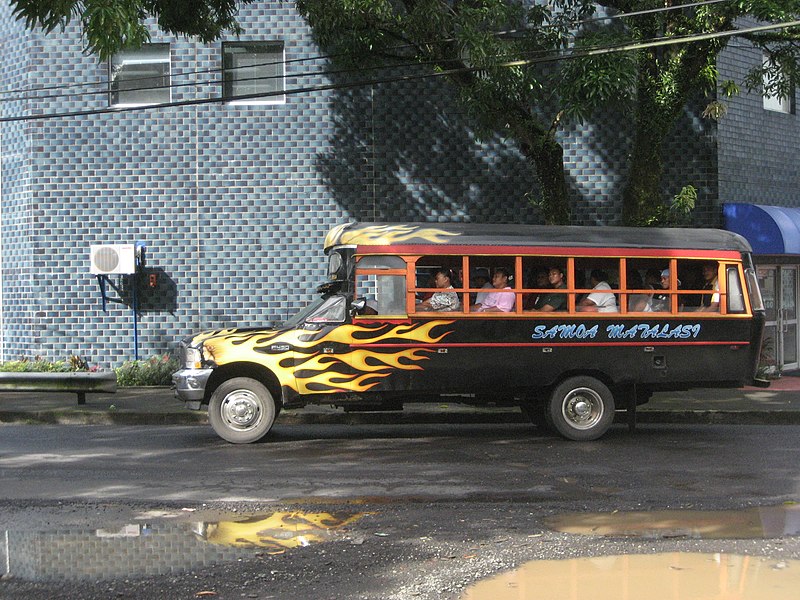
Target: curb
[78, 417]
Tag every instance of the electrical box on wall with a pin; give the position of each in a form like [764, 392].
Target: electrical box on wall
[113, 259]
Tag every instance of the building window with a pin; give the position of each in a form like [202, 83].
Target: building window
[140, 77]
[253, 68]
[773, 101]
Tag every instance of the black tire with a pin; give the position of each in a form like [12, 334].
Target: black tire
[581, 409]
[242, 410]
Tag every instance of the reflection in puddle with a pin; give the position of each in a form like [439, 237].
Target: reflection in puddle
[159, 547]
[761, 522]
[279, 530]
[675, 576]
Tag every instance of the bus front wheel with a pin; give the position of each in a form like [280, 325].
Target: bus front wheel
[241, 410]
[581, 408]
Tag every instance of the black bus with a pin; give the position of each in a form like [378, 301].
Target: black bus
[570, 323]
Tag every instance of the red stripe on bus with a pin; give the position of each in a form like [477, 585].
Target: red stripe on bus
[541, 344]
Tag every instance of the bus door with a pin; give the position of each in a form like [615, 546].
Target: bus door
[779, 289]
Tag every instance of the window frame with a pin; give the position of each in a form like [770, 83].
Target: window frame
[675, 293]
[771, 102]
[112, 78]
[228, 84]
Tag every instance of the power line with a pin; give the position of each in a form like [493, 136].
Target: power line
[626, 47]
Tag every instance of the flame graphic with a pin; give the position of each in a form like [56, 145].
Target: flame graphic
[297, 359]
[384, 235]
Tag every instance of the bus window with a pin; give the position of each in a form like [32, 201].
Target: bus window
[381, 280]
[599, 280]
[735, 292]
[538, 284]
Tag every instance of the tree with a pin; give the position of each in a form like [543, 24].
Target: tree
[110, 25]
[670, 76]
[497, 54]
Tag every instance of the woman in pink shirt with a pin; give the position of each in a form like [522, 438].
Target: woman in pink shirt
[500, 301]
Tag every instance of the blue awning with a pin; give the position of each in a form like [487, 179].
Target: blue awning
[769, 229]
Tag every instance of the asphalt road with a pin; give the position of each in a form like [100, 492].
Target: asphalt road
[445, 505]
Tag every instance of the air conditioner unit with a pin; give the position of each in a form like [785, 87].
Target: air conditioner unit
[113, 259]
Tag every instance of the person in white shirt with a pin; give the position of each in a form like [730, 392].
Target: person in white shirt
[600, 300]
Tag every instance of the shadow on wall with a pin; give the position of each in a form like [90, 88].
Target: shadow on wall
[406, 152]
[156, 291]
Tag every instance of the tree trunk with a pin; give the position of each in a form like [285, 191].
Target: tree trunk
[548, 159]
[642, 194]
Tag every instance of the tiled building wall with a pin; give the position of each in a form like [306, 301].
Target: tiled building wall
[233, 201]
[758, 160]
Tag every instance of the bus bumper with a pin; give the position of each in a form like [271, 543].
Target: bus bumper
[190, 384]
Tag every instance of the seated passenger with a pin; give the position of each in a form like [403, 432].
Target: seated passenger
[661, 301]
[553, 301]
[637, 302]
[441, 301]
[710, 302]
[480, 279]
[598, 301]
[501, 301]
[541, 282]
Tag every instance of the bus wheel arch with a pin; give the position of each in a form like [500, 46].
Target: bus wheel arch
[580, 408]
[243, 402]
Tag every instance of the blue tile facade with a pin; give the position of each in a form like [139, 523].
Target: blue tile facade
[233, 202]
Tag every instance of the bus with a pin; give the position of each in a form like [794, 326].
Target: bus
[573, 324]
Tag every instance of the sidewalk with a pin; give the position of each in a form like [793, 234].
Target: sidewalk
[778, 404]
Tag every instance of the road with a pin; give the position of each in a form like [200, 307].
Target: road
[433, 495]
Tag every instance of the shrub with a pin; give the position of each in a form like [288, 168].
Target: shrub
[38, 365]
[156, 370]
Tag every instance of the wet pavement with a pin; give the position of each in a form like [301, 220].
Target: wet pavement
[778, 404]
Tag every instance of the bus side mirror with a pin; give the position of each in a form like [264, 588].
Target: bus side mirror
[357, 306]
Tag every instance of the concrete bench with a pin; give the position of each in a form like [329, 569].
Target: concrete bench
[79, 382]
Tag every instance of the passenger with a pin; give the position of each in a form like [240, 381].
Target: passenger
[500, 301]
[710, 302]
[661, 301]
[541, 282]
[637, 302]
[480, 279]
[553, 301]
[600, 300]
[441, 301]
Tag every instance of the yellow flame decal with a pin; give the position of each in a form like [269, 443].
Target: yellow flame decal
[385, 235]
[296, 359]
[278, 530]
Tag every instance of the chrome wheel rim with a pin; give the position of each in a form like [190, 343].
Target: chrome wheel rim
[241, 410]
[582, 408]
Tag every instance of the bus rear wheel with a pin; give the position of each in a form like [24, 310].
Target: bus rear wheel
[581, 408]
[241, 410]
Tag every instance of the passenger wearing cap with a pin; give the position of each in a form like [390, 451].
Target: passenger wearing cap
[661, 301]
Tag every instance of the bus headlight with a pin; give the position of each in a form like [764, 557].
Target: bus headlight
[192, 358]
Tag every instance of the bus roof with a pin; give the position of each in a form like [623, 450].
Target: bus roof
[473, 234]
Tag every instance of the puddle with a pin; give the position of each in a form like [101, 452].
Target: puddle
[159, 547]
[674, 576]
[760, 522]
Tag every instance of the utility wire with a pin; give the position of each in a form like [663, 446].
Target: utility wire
[106, 82]
[406, 78]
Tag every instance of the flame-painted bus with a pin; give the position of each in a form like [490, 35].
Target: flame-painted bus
[681, 309]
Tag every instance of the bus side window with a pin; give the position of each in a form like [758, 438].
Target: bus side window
[380, 282]
[735, 292]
